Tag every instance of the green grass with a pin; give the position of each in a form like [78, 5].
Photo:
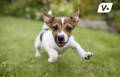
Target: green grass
[17, 52]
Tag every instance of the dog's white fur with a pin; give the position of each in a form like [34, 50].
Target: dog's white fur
[51, 47]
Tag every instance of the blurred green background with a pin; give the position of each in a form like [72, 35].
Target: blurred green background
[21, 21]
[32, 9]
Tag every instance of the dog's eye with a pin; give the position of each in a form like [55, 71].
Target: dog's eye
[55, 28]
[68, 28]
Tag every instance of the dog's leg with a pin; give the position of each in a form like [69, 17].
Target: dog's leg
[84, 54]
[80, 50]
[37, 46]
[53, 55]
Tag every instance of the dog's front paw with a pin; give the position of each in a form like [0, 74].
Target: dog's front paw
[87, 55]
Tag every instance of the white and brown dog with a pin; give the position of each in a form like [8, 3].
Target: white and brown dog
[59, 37]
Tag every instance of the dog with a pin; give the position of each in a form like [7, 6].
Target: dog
[56, 36]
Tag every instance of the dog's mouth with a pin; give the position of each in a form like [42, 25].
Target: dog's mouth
[59, 43]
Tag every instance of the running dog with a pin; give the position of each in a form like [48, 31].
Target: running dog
[56, 36]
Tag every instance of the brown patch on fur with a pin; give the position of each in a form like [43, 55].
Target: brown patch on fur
[57, 30]
[67, 23]
[55, 22]
[74, 21]
[48, 19]
[65, 28]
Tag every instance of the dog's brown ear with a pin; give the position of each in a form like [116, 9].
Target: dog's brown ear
[48, 18]
[75, 18]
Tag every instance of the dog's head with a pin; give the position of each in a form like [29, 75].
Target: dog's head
[61, 27]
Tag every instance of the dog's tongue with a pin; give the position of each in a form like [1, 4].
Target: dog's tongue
[61, 43]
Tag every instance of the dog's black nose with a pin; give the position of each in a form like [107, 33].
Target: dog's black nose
[61, 38]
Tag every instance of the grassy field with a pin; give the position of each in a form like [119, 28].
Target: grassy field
[17, 52]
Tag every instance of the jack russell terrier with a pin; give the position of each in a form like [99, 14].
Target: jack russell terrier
[59, 37]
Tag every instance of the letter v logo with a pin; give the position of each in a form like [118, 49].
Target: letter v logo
[104, 7]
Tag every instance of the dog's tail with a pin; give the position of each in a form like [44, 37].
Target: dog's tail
[45, 26]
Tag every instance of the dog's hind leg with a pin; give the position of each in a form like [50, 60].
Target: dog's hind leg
[37, 46]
